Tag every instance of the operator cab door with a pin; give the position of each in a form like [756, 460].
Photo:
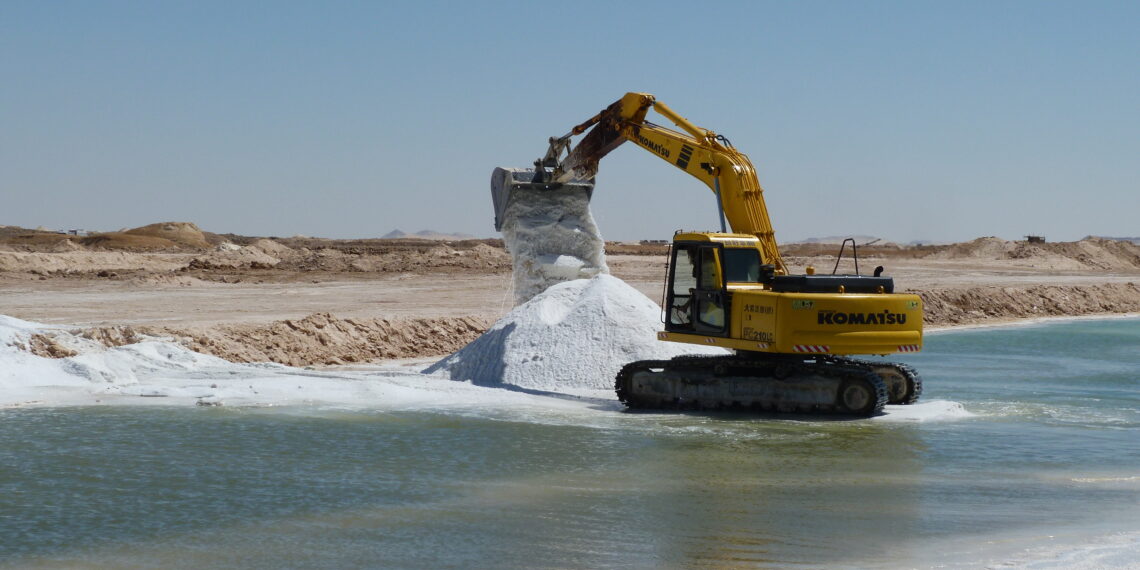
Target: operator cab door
[696, 296]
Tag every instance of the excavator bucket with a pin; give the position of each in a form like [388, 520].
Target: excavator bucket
[507, 182]
[547, 228]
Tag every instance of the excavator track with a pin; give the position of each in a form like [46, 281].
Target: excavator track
[826, 385]
[904, 385]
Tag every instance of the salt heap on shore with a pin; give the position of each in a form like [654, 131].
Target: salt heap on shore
[574, 335]
[574, 326]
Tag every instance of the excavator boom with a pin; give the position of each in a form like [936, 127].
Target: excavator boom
[699, 152]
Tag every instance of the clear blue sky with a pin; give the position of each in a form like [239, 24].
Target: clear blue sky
[906, 120]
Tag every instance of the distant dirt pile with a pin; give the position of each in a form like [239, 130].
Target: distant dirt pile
[137, 253]
[179, 233]
[268, 254]
[165, 236]
[1089, 253]
[481, 257]
[981, 304]
[261, 254]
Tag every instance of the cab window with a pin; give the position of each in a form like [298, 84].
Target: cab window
[710, 269]
[742, 265]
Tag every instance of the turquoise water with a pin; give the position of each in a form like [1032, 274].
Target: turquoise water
[1048, 463]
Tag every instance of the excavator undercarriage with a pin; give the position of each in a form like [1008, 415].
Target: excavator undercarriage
[764, 382]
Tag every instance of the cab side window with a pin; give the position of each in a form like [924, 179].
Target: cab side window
[696, 297]
[684, 286]
[710, 303]
[710, 269]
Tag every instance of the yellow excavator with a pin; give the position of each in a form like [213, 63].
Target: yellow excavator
[792, 336]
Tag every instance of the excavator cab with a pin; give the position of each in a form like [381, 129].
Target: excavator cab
[704, 273]
[697, 294]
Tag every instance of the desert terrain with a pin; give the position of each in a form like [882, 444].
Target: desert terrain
[315, 302]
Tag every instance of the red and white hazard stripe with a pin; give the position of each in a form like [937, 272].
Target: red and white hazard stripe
[909, 348]
[814, 348]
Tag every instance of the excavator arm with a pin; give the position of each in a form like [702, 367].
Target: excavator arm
[699, 152]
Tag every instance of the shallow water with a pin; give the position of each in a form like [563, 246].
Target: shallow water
[1044, 473]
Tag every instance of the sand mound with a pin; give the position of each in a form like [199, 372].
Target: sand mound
[981, 248]
[272, 248]
[1099, 253]
[123, 241]
[229, 257]
[163, 236]
[487, 253]
[181, 233]
[576, 334]
[1089, 253]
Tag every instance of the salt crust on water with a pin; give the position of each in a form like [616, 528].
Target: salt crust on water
[575, 335]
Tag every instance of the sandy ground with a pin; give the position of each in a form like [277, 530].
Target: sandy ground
[193, 302]
[330, 303]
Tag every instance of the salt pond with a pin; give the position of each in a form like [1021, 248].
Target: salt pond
[1022, 454]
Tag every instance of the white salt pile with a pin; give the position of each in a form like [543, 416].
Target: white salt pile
[552, 238]
[574, 326]
[575, 335]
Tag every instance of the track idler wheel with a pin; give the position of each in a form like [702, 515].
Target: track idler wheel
[861, 396]
[903, 384]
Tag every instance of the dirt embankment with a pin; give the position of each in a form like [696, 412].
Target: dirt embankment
[978, 305]
[1088, 254]
[319, 339]
[1094, 254]
[324, 339]
[1090, 257]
